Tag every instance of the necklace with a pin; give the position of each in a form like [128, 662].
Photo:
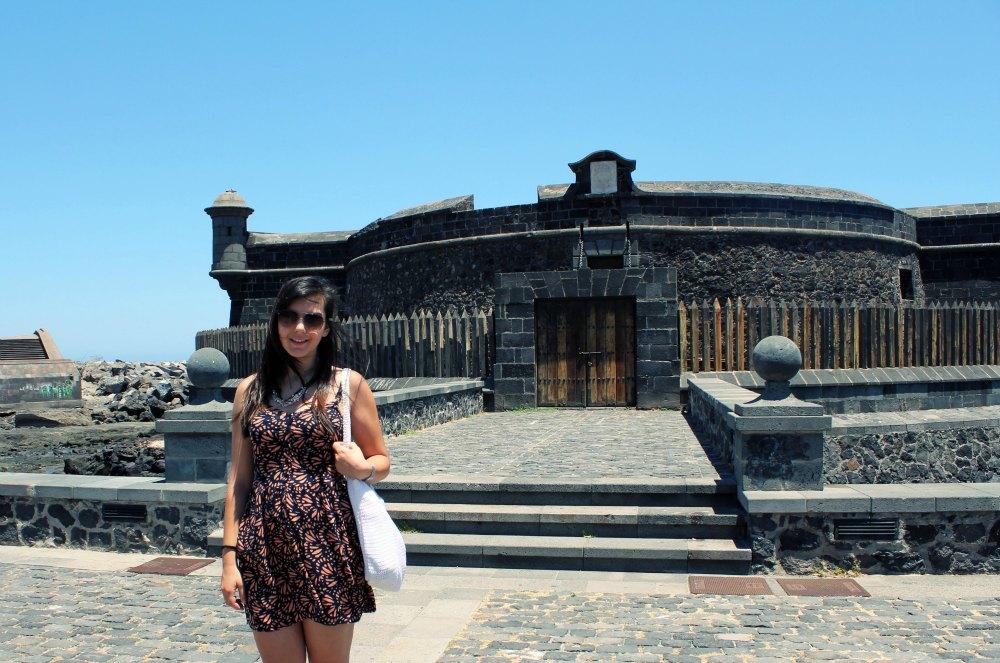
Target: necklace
[294, 398]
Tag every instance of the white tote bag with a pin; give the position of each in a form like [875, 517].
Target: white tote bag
[381, 543]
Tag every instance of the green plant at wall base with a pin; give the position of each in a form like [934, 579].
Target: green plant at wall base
[408, 529]
[823, 569]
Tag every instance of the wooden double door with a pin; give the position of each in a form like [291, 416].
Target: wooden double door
[585, 351]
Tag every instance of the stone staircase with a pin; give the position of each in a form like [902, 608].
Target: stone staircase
[650, 525]
[671, 525]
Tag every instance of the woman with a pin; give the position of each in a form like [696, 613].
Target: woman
[290, 556]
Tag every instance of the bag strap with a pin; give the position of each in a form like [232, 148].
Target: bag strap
[345, 405]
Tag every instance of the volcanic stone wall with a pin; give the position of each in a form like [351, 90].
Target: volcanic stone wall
[679, 210]
[957, 272]
[965, 542]
[749, 247]
[268, 254]
[254, 296]
[965, 274]
[171, 529]
[456, 275]
[776, 266]
[967, 454]
[959, 224]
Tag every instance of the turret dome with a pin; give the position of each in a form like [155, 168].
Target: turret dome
[229, 198]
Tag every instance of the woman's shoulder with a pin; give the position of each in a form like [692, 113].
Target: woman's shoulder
[337, 375]
[244, 385]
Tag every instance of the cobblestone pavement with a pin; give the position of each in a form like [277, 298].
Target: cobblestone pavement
[63, 613]
[53, 614]
[592, 443]
[60, 605]
[532, 626]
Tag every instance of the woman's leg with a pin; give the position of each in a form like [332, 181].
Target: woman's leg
[286, 645]
[328, 644]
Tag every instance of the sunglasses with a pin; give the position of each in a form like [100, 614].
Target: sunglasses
[311, 321]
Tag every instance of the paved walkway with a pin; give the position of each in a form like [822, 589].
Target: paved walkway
[563, 443]
[61, 604]
[64, 604]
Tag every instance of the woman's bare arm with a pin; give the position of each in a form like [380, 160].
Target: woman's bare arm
[366, 429]
[240, 477]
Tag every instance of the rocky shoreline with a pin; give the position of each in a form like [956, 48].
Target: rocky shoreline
[121, 391]
[112, 434]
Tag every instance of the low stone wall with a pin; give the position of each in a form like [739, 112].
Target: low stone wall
[768, 444]
[170, 529]
[423, 411]
[198, 444]
[928, 543]
[932, 528]
[937, 446]
[123, 514]
[411, 403]
[853, 391]
[707, 417]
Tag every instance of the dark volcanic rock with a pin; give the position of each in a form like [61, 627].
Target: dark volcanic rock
[121, 391]
[49, 449]
[129, 457]
[52, 418]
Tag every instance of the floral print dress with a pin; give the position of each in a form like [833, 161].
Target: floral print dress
[297, 549]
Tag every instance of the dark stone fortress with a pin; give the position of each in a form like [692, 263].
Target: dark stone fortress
[725, 239]
[625, 251]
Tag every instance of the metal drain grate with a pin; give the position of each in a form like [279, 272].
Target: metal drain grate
[123, 513]
[172, 566]
[822, 587]
[866, 529]
[729, 585]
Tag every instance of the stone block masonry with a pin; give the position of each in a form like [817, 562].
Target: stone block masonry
[876, 528]
[174, 529]
[657, 379]
[959, 542]
[420, 412]
[726, 239]
[925, 446]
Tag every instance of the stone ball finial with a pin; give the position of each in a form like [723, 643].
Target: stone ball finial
[229, 198]
[776, 359]
[207, 368]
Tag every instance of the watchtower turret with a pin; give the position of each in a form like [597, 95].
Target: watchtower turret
[229, 214]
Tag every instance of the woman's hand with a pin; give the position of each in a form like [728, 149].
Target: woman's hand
[350, 461]
[232, 586]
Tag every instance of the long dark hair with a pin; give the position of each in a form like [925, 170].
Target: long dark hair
[275, 362]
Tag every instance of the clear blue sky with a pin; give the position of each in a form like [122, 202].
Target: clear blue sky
[120, 122]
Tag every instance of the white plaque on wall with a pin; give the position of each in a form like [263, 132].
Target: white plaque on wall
[603, 177]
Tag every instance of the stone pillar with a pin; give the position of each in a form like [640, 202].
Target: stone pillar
[778, 440]
[198, 437]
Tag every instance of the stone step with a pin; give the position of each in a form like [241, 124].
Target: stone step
[567, 552]
[577, 553]
[704, 522]
[542, 491]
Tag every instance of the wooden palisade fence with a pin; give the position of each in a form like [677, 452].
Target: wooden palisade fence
[720, 336]
[423, 344]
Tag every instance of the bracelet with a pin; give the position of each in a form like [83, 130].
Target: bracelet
[226, 545]
[368, 479]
